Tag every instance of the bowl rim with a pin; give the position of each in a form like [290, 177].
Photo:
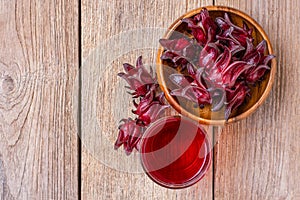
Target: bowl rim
[173, 102]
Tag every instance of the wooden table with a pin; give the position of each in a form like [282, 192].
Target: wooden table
[47, 102]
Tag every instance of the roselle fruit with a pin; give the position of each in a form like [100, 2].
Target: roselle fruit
[202, 26]
[181, 52]
[218, 64]
[130, 133]
[138, 78]
[190, 88]
[149, 105]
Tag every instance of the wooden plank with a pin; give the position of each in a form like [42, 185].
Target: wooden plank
[115, 32]
[258, 158]
[38, 69]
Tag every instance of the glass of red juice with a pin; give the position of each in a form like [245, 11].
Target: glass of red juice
[175, 152]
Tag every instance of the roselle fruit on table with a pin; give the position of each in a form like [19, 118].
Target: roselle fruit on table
[148, 103]
[217, 62]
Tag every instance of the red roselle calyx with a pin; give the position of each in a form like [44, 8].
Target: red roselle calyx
[139, 79]
[129, 135]
[149, 105]
[220, 60]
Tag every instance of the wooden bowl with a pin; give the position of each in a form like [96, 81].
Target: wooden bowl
[204, 115]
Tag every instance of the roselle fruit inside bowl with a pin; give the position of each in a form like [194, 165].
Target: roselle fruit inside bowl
[206, 113]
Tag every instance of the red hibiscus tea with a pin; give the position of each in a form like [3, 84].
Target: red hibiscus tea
[175, 152]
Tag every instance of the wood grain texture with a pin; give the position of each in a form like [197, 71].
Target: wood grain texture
[38, 68]
[112, 33]
[258, 158]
